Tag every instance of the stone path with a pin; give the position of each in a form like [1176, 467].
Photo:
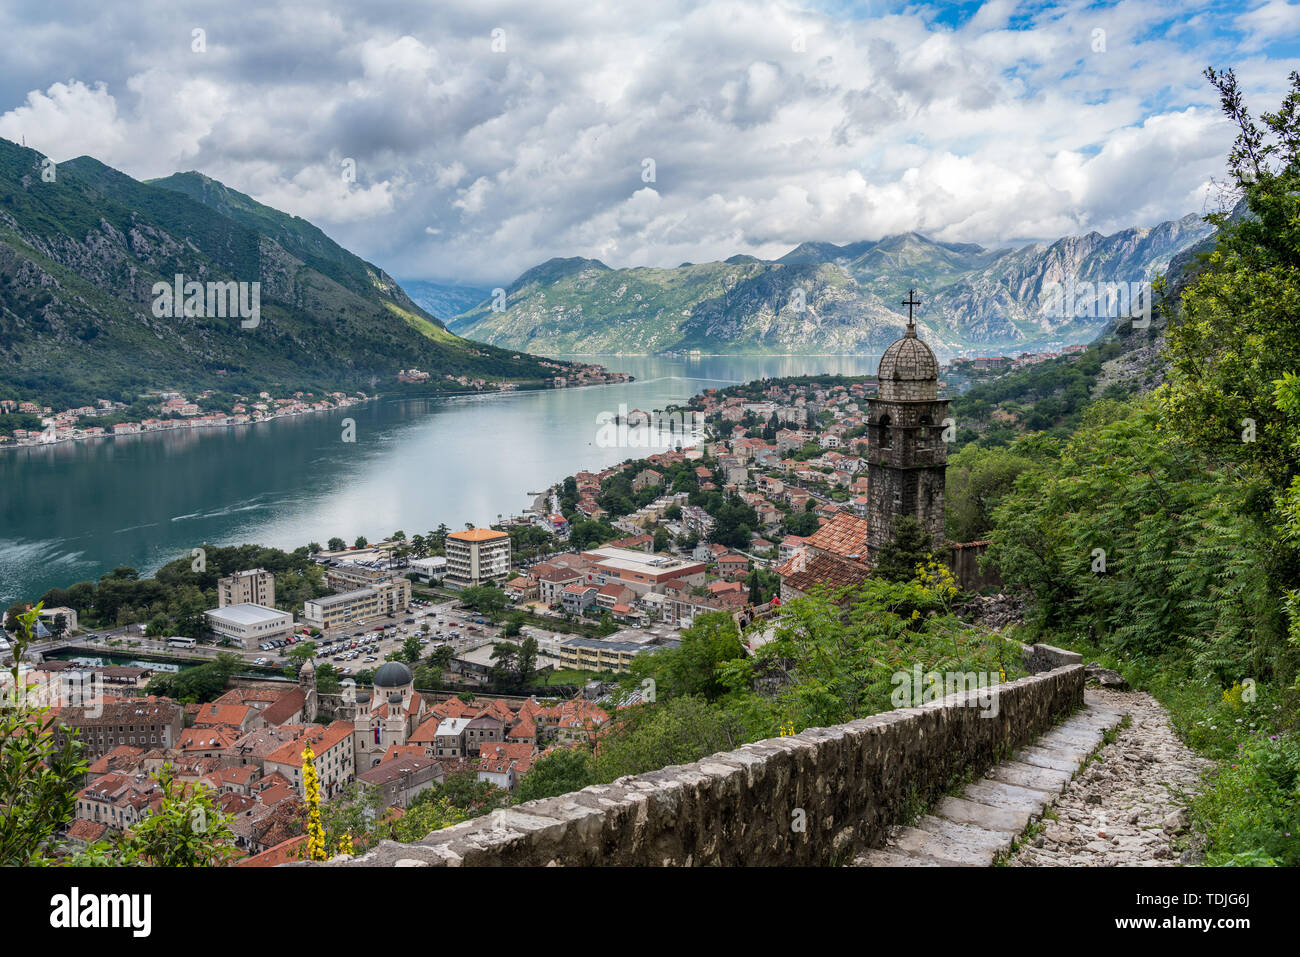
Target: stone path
[1125, 808]
[1128, 807]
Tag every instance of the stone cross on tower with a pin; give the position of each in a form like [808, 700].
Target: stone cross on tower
[909, 302]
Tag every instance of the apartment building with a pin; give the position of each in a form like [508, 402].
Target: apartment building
[117, 801]
[47, 617]
[371, 601]
[552, 581]
[348, 576]
[253, 587]
[335, 759]
[477, 556]
[400, 779]
[139, 722]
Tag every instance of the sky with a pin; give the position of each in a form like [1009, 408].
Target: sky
[468, 141]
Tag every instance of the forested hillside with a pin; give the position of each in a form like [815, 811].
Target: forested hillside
[1161, 535]
[82, 245]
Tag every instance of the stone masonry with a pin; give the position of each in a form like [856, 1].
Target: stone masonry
[817, 798]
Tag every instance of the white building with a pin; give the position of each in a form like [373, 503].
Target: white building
[250, 624]
[476, 556]
[431, 568]
[382, 598]
[47, 616]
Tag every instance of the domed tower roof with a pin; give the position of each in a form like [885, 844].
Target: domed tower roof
[908, 370]
[393, 674]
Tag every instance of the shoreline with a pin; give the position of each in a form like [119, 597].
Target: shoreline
[720, 355]
[71, 439]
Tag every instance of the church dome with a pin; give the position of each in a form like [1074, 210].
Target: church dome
[909, 360]
[908, 370]
[393, 674]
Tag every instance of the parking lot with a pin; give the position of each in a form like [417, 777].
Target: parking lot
[364, 645]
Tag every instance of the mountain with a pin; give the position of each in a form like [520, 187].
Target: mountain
[1122, 360]
[444, 299]
[80, 253]
[1141, 364]
[824, 298]
[294, 234]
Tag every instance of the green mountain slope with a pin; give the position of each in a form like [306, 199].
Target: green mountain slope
[79, 257]
[823, 298]
[294, 234]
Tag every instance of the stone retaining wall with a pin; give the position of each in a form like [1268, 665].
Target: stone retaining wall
[1044, 658]
[815, 798]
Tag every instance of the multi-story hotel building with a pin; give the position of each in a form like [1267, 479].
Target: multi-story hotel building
[476, 556]
[254, 587]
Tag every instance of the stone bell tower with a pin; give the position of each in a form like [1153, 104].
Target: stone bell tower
[307, 682]
[906, 454]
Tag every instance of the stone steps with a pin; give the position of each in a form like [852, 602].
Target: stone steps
[974, 827]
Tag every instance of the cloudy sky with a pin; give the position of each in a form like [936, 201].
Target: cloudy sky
[489, 136]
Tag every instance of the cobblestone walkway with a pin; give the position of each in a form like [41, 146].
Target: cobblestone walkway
[1128, 807]
[1125, 808]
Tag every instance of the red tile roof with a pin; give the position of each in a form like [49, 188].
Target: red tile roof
[844, 535]
[828, 570]
[321, 740]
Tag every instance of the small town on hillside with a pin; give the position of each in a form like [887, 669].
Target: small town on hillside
[466, 656]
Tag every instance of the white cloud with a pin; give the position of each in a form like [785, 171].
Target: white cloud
[475, 165]
[67, 120]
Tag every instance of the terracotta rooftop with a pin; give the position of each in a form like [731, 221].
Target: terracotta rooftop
[478, 535]
[844, 535]
[829, 570]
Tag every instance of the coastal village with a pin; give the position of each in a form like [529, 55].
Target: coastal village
[776, 501]
[27, 423]
[170, 410]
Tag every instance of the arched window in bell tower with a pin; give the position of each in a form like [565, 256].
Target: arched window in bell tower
[923, 436]
[886, 437]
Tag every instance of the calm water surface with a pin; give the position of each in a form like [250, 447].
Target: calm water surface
[73, 511]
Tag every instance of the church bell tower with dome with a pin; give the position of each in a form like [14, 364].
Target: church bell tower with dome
[906, 454]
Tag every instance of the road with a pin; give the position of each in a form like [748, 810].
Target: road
[443, 619]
